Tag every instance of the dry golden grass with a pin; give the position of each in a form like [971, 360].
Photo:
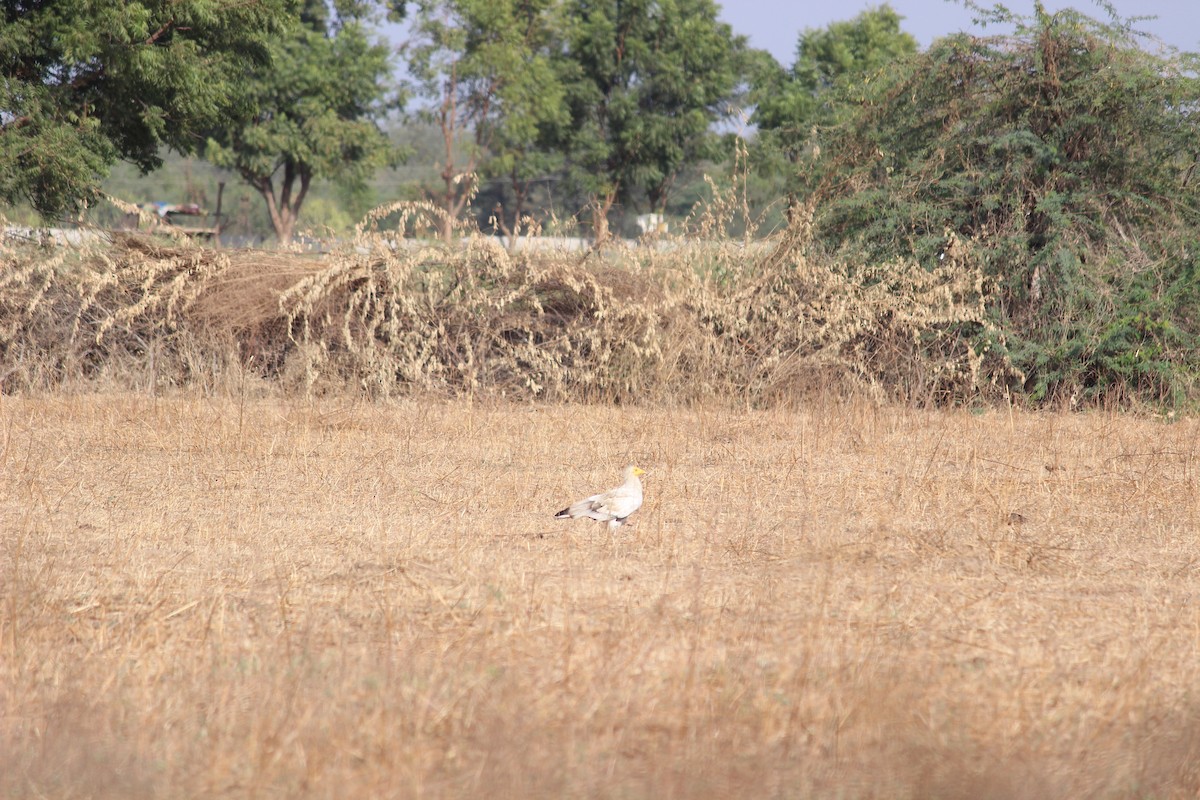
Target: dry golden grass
[274, 598]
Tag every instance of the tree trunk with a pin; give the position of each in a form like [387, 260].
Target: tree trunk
[459, 189]
[446, 223]
[520, 190]
[520, 194]
[459, 183]
[600, 206]
[285, 210]
[449, 123]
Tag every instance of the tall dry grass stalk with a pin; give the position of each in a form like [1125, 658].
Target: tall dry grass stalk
[238, 597]
[694, 319]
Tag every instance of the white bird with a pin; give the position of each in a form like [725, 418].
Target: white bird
[613, 506]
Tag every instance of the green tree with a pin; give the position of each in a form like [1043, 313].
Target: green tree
[646, 80]
[316, 111]
[530, 103]
[484, 69]
[1061, 159]
[83, 84]
[790, 105]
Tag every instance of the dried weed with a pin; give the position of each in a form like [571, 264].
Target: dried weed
[685, 320]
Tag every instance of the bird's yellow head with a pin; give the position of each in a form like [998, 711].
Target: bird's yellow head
[638, 471]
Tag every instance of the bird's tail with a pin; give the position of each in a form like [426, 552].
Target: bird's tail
[564, 514]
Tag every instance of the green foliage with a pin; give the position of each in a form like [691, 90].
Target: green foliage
[605, 102]
[1058, 159]
[790, 103]
[528, 103]
[83, 84]
[315, 113]
[484, 68]
[645, 83]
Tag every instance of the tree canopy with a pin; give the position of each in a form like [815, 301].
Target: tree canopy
[645, 82]
[601, 101]
[83, 84]
[791, 103]
[315, 111]
[484, 70]
[614, 97]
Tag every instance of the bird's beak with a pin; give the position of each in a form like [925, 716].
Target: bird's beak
[639, 471]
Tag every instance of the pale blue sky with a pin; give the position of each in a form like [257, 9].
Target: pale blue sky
[775, 25]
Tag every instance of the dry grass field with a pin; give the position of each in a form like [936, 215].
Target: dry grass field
[285, 598]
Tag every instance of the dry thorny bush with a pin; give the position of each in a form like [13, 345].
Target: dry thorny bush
[680, 320]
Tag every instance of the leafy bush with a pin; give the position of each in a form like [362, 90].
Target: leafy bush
[1059, 161]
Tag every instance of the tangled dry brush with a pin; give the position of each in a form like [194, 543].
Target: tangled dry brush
[706, 317]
